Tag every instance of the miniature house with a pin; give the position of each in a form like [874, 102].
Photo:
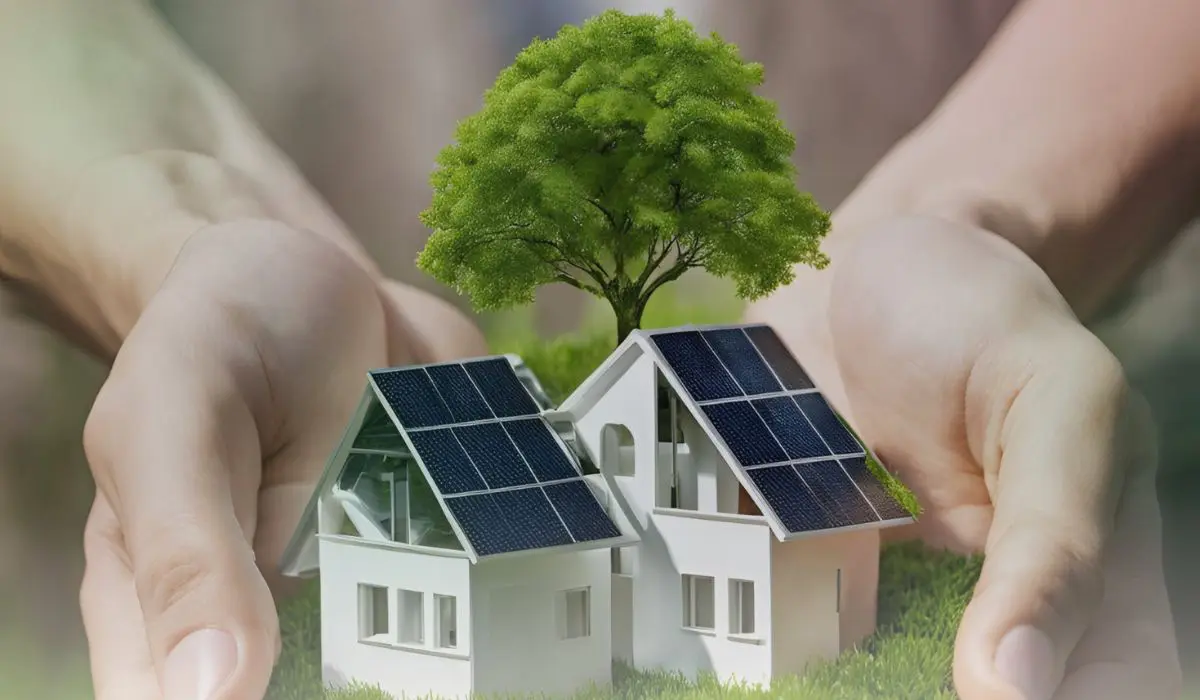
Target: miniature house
[695, 505]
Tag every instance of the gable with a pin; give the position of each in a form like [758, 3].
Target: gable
[797, 460]
[462, 452]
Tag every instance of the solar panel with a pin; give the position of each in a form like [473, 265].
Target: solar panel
[501, 388]
[780, 431]
[541, 451]
[795, 434]
[494, 455]
[739, 356]
[781, 360]
[747, 436]
[412, 397]
[883, 502]
[448, 465]
[697, 366]
[459, 393]
[487, 449]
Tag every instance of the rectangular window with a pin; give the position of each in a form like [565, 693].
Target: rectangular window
[699, 602]
[373, 615]
[412, 616]
[741, 607]
[446, 622]
[575, 613]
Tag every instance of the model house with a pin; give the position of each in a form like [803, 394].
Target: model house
[695, 505]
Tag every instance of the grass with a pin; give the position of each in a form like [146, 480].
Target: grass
[921, 598]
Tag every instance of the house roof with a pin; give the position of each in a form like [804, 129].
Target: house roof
[802, 466]
[502, 477]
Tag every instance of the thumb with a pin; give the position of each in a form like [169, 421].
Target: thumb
[1053, 465]
[170, 440]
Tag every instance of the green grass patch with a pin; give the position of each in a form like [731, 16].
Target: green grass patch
[921, 597]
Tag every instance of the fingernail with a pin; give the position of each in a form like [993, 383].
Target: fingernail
[1025, 660]
[198, 665]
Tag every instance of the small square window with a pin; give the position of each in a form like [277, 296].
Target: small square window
[741, 607]
[699, 602]
[575, 613]
[373, 615]
[446, 622]
[412, 617]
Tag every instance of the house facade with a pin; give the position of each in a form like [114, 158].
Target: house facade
[713, 586]
[431, 585]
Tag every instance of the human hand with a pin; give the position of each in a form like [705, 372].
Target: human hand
[967, 373]
[205, 441]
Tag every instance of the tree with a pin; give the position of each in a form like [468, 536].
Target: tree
[614, 158]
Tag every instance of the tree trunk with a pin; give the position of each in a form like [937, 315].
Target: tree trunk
[629, 319]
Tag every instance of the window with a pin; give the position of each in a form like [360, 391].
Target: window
[446, 623]
[372, 612]
[412, 617]
[699, 602]
[575, 613]
[741, 607]
[838, 604]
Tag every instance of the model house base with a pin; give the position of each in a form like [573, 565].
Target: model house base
[694, 506]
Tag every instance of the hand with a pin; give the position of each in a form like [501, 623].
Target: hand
[222, 406]
[964, 369]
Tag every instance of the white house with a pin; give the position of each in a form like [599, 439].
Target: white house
[460, 548]
[695, 505]
[758, 517]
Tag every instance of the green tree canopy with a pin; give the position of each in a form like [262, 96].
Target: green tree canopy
[614, 158]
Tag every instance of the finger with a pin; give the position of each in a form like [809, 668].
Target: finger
[122, 668]
[167, 437]
[425, 328]
[1056, 409]
[1130, 648]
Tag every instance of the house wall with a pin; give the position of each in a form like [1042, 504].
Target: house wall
[810, 623]
[519, 603]
[398, 669]
[722, 547]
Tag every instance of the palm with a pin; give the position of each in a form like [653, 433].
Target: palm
[966, 364]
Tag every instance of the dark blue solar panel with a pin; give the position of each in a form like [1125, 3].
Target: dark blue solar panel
[532, 519]
[696, 365]
[504, 393]
[792, 503]
[412, 398]
[740, 358]
[889, 508]
[836, 492]
[821, 415]
[740, 426]
[459, 393]
[784, 419]
[779, 357]
[494, 456]
[580, 510]
[483, 523]
[541, 449]
[448, 465]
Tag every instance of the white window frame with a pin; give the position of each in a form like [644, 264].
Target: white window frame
[369, 597]
[441, 640]
[742, 621]
[693, 606]
[410, 613]
[572, 604]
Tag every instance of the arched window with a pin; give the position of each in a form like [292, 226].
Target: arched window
[617, 450]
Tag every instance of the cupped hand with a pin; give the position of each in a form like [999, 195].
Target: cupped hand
[967, 373]
[205, 441]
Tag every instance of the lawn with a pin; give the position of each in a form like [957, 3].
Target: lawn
[922, 593]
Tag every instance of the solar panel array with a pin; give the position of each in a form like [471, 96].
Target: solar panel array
[781, 431]
[502, 472]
